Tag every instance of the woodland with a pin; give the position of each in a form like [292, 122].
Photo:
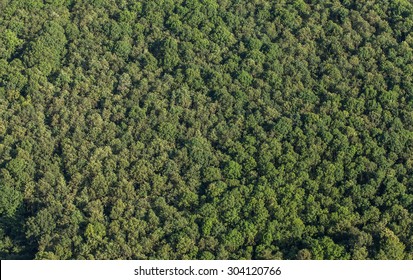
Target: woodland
[206, 129]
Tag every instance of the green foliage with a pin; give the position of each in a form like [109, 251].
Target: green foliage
[47, 49]
[233, 170]
[10, 200]
[9, 43]
[206, 129]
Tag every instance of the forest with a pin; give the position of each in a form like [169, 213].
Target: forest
[206, 129]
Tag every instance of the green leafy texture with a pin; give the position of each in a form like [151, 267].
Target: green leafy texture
[206, 129]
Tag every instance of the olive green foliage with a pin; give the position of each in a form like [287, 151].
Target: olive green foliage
[206, 129]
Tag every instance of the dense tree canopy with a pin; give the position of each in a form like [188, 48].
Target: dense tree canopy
[206, 129]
